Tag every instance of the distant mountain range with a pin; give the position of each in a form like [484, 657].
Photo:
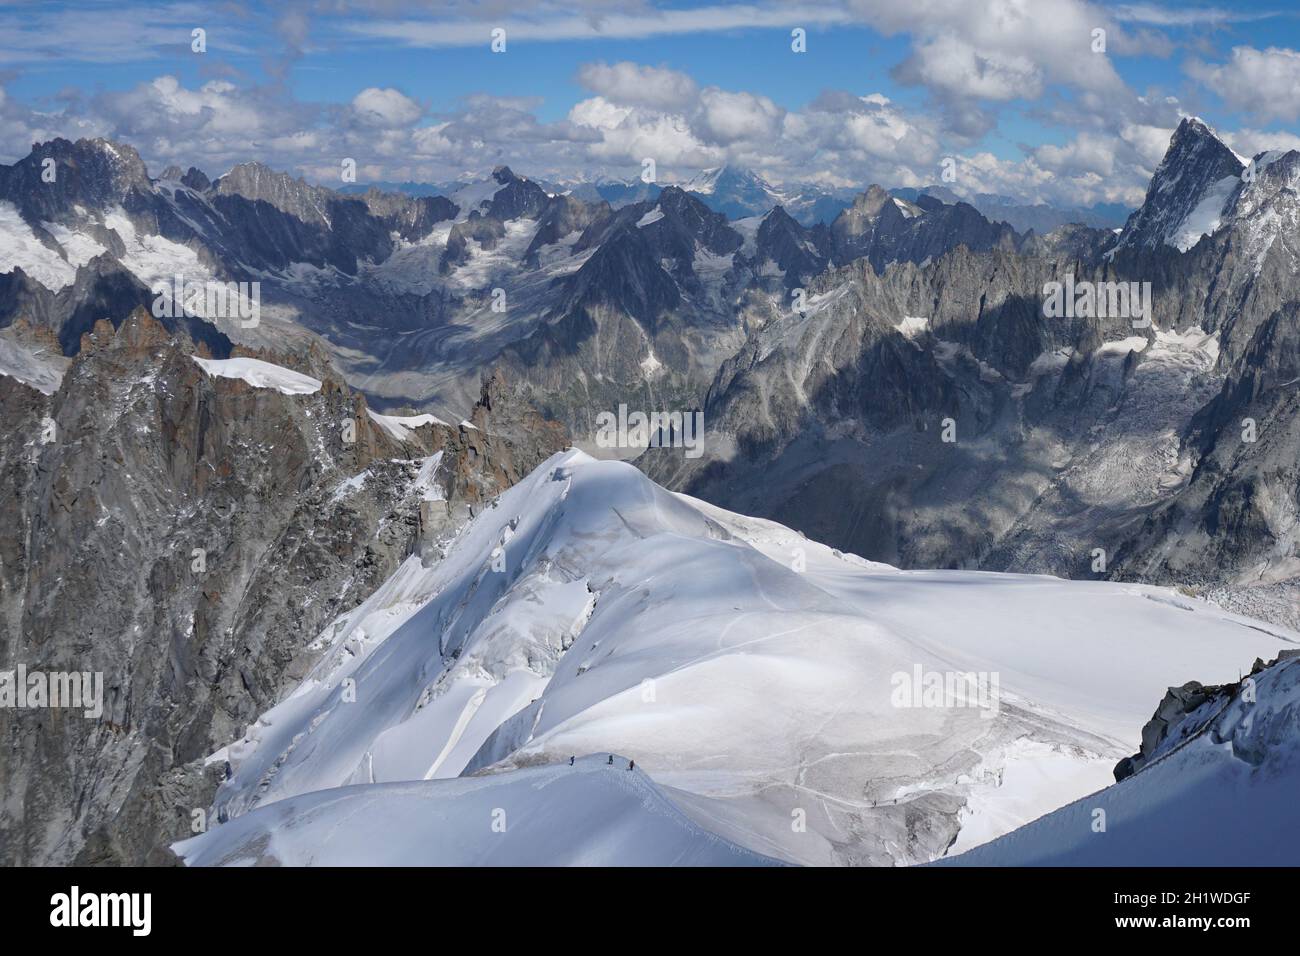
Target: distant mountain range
[741, 194]
[810, 348]
[888, 384]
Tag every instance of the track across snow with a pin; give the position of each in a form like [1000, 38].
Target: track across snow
[751, 673]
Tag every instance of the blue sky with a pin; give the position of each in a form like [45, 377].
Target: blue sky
[1013, 91]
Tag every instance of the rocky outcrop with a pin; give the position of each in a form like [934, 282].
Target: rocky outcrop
[187, 535]
[1191, 710]
[882, 230]
[1196, 175]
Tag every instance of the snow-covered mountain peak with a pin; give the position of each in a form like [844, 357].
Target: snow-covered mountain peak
[1189, 192]
[1266, 209]
[750, 672]
[709, 181]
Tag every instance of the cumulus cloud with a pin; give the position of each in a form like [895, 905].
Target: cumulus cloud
[1050, 40]
[952, 66]
[727, 118]
[1260, 82]
[385, 108]
[838, 138]
[1086, 153]
[1252, 142]
[631, 84]
[1149, 142]
[969, 52]
[637, 111]
[627, 135]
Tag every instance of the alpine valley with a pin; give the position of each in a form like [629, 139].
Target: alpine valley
[366, 585]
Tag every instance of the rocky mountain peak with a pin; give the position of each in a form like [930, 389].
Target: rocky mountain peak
[687, 220]
[88, 172]
[260, 183]
[866, 210]
[1188, 193]
[196, 179]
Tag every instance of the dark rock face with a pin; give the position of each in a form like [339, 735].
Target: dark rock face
[1177, 704]
[1189, 711]
[687, 221]
[663, 289]
[1080, 446]
[1232, 519]
[837, 417]
[253, 218]
[877, 228]
[188, 536]
[196, 180]
[90, 172]
[518, 198]
[798, 252]
[1039, 218]
[562, 217]
[625, 274]
[644, 319]
[1195, 163]
[1072, 433]
[1069, 242]
[410, 217]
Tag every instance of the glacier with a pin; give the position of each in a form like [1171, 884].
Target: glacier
[589, 614]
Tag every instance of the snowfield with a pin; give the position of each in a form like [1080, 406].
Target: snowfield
[590, 814]
[759, 679]
[400, 426]
[40, 367]
[20, 247]
[261, 374]
[1224, 797]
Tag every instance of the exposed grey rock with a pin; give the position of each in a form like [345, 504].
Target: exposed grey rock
[1195, 164]
[1191, 710]
[154, 458]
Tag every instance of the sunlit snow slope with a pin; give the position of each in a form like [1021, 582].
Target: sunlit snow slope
[751, 674]
[591, 814]
[1222, 794]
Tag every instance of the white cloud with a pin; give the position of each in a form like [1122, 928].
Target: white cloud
[727, 118]
[555, 22]
[631, 84]
[1150, 142]
[953, 66]
[840, 138]
[1252, 142]
[968, 51]
[1260, 82]
[599, 113]
[627, 135]
[1183, 16]
[385, 108]
[1086, 153]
